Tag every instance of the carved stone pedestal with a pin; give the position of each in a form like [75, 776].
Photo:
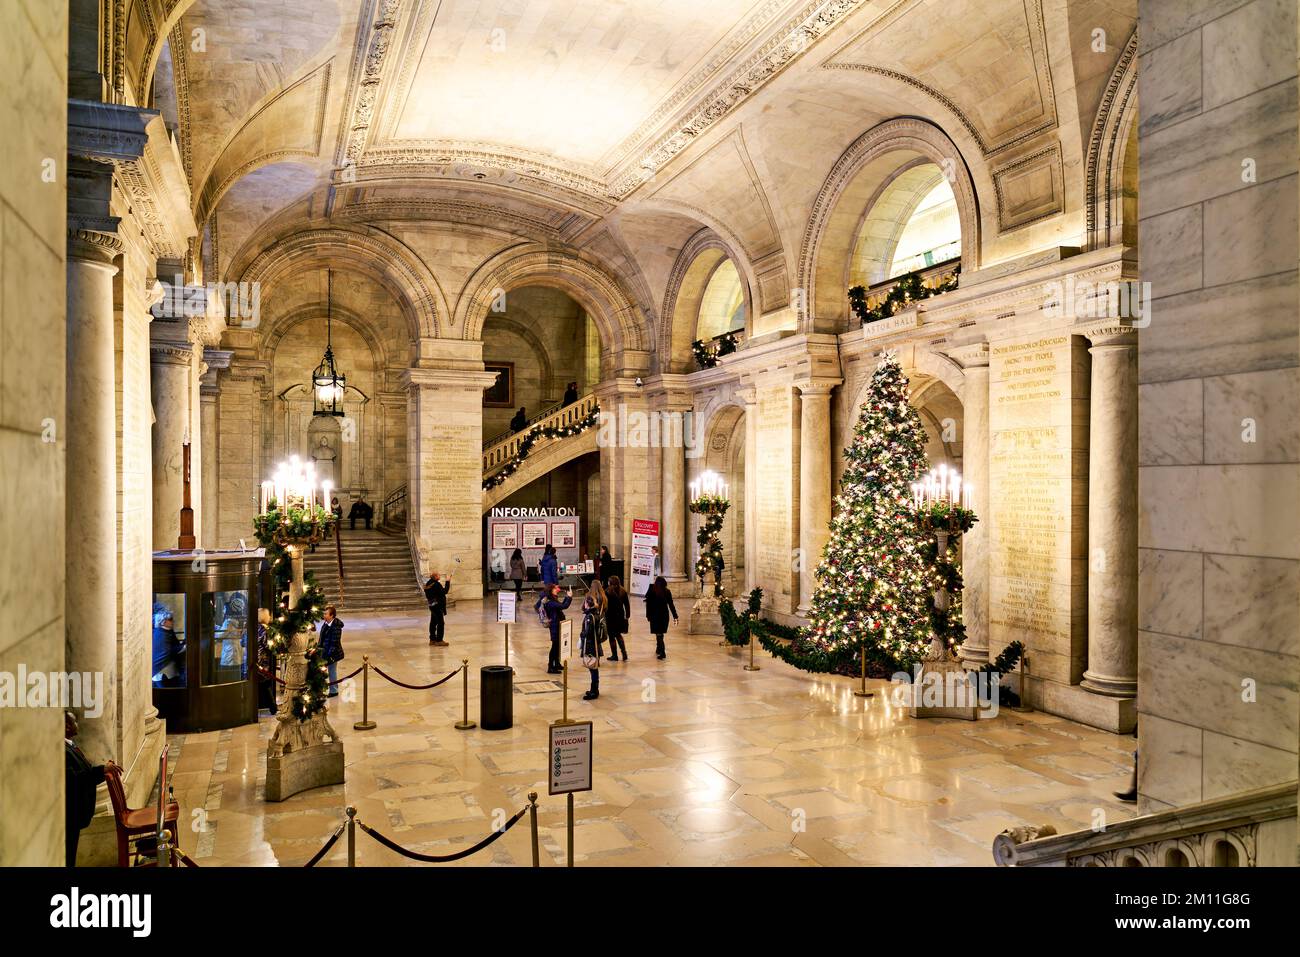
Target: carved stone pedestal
[944, 689]
[706, 618]
[313, 767]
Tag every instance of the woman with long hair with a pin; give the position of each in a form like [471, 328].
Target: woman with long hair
[593, 635]
[517, 569]
[617, 613]
[658, 603]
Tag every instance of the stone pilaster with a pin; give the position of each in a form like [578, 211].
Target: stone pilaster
[814, 482]
[974, 359]
[445, 459]
[750, 399]
[674, 525]
[171, 361]
[1112, 512]
[625, 462]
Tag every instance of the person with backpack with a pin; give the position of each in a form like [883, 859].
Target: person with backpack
[552, 606]
[658, 603]
[331, 645]
[593, 636]
[617, 613]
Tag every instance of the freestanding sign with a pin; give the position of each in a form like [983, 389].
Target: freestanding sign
[506, 601]
[570, 760]
[645, 539]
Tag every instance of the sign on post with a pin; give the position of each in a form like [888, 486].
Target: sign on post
[570, 760]
[645, 539]
[566, 640]
[506, 601]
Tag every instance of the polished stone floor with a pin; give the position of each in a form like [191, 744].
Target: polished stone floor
[697, 762]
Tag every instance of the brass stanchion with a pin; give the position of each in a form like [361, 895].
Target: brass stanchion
[863, 692]
[352, 836]
[507, 644]
[464, 724]
[752, 641]
[164, 850]
[569, 859]
[564, 666]
[532, 813]
[365, 724]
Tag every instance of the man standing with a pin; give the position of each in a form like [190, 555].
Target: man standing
[81, 778]
[571, 394]
[331, 645]
[435, 593]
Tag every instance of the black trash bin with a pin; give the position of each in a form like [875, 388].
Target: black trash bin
[496, 697]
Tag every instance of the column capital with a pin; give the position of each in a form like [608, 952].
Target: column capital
[94, 240]
[971, 355]
[447, 378]
[1108, 332]
[817, 387]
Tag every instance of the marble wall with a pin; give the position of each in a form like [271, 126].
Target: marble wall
[33, 73]
[1219, 574]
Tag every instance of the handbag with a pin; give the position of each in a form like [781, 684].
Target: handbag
[590, 661]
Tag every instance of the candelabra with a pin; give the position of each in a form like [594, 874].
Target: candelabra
[294, 514]
[709, 501]
[941, 501]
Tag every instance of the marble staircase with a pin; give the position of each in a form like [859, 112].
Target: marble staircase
[378, 573]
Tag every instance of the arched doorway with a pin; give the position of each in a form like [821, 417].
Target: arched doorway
[724, 453]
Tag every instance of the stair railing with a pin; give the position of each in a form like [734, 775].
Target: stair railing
[394, 505]
[504, 447]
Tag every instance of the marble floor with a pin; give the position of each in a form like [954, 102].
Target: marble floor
[697, 762]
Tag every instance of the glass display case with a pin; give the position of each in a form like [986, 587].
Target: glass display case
[205, 637]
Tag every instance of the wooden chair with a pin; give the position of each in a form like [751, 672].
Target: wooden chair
[137, 829]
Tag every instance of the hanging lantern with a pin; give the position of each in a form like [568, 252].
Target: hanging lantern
[328, 384]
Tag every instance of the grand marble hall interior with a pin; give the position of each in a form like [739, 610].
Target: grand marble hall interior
[659, 208]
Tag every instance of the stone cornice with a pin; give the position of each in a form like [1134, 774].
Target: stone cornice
[148, 166]
[94, 245]
[447, 378]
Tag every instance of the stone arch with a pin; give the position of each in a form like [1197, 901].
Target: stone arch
[376, 254]
[619, 321]
[280, 326]
[937, 386]
[725, 420]
[1111, 186]
[550, 385]
[856, 177]
[695, 265]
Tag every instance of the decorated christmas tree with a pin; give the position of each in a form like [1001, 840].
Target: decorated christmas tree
[874, 583]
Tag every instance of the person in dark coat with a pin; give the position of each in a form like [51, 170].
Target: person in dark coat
[331, 645]
[658, 603]
[517, 569]
[549, 567]
[361, 509]
[618, 610]
[519, 421]
[570, 394]
[81, 778]
[604, 560]
[168, 653]
[593, 634]
[553, 606]
[435, 593]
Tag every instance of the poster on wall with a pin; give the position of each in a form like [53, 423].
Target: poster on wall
[534, 535]
[564, 534]
[645, 547]
[505, 535]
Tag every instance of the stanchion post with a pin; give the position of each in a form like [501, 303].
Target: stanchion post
[751, 666]
[352, 836]
[464, 724]
[164, 850]
[569, 858]
[507, 644]
[532, 813]
[1024, 699]
[863, 692]
[365, 724]
[564, 666]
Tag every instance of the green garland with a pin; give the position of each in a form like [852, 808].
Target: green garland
[907, 290]
[706, 358]
[735, 628]
[714, 509]
[286, 622]
[957, 520]
[535, 435]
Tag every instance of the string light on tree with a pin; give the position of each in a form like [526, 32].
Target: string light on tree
[709, 500]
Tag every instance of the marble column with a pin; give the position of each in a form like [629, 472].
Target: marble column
[672, 536]
[209, 394]
[974, 359]
[1112, 512]
[171, 363]
[91, 436]
[814, 483]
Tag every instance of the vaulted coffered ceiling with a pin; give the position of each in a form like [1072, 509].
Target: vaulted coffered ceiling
[551, 119]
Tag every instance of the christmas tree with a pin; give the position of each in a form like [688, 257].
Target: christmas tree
[874, 583]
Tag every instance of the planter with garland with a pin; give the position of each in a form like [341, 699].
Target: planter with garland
[305, 751]
[709, 501]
